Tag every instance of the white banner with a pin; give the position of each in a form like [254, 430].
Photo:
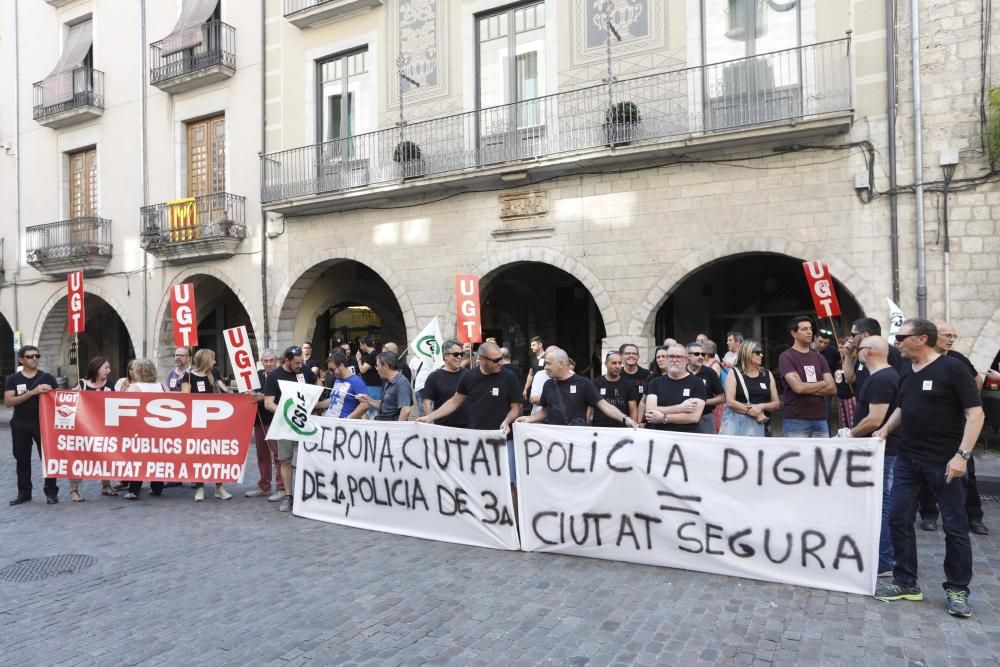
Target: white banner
[293, 420]
[420, 480]
[797, 511]
[241, 358]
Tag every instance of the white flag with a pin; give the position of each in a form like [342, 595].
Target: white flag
[896, 318]
[427, 353]
[292, 420]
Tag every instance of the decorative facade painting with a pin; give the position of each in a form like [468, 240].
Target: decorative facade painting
[417, 36]
[630, 18]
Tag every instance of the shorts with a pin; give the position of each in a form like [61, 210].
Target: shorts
[286, 449]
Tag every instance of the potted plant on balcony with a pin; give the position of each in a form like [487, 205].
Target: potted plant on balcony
[407, 156]
[622, 123]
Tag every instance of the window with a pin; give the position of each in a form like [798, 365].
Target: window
[758, 78]
[341, 82]
[511, 65]
[206, 164]
[83, 184]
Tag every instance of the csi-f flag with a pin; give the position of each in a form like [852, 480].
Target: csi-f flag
[896, 317]
[427, 351]
[292, 418]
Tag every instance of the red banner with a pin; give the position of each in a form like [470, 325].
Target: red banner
[145, 436]
[74, 302]
[185, 317]
[468, 320]
[821, 288]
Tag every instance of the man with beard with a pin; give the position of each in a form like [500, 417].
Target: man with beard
[675, 401]
[616, 390]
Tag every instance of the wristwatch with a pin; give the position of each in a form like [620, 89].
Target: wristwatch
[964, 454]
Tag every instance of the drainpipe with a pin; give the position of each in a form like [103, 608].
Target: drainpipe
[143, 147]
[890, 62]
[17, 162]
[263, 215]
[918, 160]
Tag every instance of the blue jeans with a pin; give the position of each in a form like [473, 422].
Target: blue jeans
[885, 536]
[908, 475]
[806, 428]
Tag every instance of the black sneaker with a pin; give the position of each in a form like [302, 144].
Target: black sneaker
[958, 603]
[978, 527]
[52, 500]
[20, 500]
[890, 592]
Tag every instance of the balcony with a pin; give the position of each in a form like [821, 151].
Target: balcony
[313, 13]
[190, 230]
[212, 60]
[68, 99]
[792, 95]
[80, 244]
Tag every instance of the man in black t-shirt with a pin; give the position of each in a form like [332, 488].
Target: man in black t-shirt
[855, 372]
[675, 401]
[631, 370]
[616, 390]
[291, 370]
[537, 363]
[941, 415]
[566, 396]
[442, 384]
[714, 393]
[21, 391]
[879, 398]
[368, 369]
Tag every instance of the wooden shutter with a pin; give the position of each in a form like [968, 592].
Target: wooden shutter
[207, 156]
[83, 184]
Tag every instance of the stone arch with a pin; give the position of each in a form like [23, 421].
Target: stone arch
[162, 342]
[495, 262]
[984, 350]
[49, 333]
[641, 323]
[299, 280]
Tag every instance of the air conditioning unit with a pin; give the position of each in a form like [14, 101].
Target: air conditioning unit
[747, 77]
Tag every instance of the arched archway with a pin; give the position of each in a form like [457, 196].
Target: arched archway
[105, 335]
[219, 306]
[338, 300]
[986, 349]
[8, 361]
[526, 299]
[753, 293]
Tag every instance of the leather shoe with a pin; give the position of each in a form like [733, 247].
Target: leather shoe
[51, 500]
[19, 500]
[979, 528]
[928, 524]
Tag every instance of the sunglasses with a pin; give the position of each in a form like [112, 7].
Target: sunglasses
[697, 354]
[901, 337]
[454, 354]
[295, 351]
[32, 356]
[497, 360]
[758, 351]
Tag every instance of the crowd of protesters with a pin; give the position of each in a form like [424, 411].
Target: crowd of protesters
[912, 390]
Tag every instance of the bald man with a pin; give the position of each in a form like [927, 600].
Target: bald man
[878, 399]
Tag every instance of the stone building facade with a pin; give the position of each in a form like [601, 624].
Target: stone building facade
[736, 140]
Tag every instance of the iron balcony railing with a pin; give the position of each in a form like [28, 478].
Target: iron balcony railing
[79, 237]
[84, 86]
[781, 86]
[216, 216]
[218, 47]
[292, 6]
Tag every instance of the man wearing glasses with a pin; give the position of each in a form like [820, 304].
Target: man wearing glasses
[940, 415]
[442, 384]
[675, 401]
[973, 503]
[21, 393]
[631, 370]
[855, 372]
[714, 393]
[182, 364]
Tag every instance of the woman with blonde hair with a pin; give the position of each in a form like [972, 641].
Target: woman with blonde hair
[142, 377]
[202, 379]
[751, 393]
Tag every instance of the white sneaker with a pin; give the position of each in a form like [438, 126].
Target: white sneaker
[286, 505]
[275, 497]
[199, 494]
[222, 494]
[255, 493]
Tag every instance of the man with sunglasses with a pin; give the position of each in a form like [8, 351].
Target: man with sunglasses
[940, 415]
[855, 372]
[714, 393]
[21, 392]
[442, 384]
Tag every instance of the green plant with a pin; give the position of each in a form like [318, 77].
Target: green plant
[623, 113]
[993, 129]
[406, 151]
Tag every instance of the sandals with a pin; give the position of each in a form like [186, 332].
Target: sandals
[75, 496]
[131, 496]
[120, 485]
[108, 491]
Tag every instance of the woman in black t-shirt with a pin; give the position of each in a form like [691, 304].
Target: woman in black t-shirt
[751, 393]
[95, 379]
[203, 379]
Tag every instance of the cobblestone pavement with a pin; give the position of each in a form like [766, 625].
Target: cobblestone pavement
[237, 582]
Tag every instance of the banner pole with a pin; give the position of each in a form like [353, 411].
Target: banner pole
[76, 343]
